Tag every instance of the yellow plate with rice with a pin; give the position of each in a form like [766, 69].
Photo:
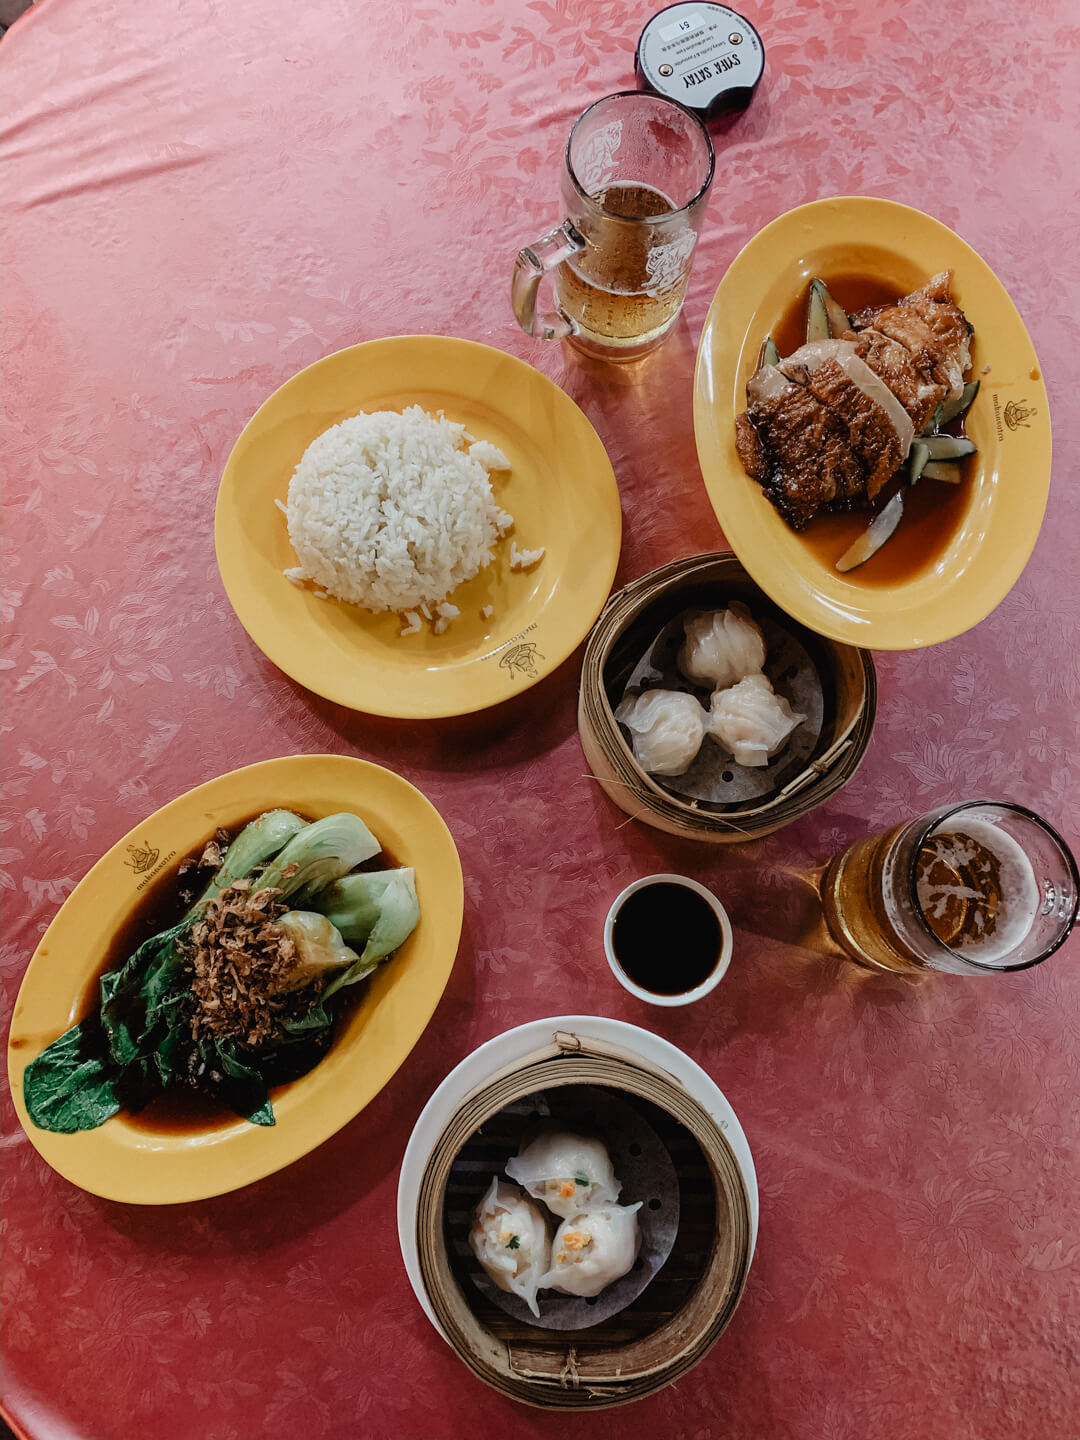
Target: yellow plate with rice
[515, 626]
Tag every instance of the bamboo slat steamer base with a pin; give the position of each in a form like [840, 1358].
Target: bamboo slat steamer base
[628, 625]
[679, 1316]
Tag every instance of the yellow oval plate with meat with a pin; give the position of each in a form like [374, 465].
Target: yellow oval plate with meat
[561, 491]
[125, 1159]
[964, 546]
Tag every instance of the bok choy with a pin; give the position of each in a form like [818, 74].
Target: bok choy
[232, 997]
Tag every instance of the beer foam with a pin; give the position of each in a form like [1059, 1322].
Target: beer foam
[1020, 894]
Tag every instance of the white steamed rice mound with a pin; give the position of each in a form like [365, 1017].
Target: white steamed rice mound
[389, 512]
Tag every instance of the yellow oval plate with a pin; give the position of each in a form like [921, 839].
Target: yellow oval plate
[1009, 423]
[561, 491]
[122, 1161]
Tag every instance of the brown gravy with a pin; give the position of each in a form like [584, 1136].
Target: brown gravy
[186, 1111]
[933, 511]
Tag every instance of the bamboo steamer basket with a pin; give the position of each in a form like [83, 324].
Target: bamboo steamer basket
[673, 1323]
[626, 626]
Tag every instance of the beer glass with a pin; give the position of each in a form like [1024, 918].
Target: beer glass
[973, 889]
[635, 183]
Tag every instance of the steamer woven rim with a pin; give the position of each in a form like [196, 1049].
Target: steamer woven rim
[573, 1061]
[606, 750]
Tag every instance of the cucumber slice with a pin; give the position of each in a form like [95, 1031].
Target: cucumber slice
[947, 470]
[875, 534]
[951, 409]
[920, 454]
[817, 316]
[769, 354]
[948, 447]
[839, 320]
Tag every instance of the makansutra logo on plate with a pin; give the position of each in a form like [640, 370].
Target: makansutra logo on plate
[143, 858]
[1019, 412]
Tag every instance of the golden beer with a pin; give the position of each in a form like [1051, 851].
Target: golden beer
[610, 291]
[969, 889]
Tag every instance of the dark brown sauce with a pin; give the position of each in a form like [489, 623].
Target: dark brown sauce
[667, 938]
[933, 511]
[853, 292]
[182, 1110]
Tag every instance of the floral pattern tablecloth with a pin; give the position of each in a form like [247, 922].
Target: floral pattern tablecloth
[201, 198]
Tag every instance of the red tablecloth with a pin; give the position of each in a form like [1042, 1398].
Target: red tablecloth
[203, 197]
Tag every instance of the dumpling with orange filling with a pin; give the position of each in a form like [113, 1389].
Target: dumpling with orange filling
[567, 1172]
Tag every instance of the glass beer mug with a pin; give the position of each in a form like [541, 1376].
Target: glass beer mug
[974, 889]
[635, 183]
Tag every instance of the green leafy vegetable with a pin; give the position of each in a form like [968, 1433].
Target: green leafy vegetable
[319, 946]
[513, 1243]
[72, 1085]
[321, 852]
[580, 1178]
[258, 842]
[140, 1041]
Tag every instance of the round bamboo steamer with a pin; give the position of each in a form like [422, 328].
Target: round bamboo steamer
[681, 1313]
[627, 624]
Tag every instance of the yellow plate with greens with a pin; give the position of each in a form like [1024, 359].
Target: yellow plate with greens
[561, 491]
[125, 1159]
[981, 539]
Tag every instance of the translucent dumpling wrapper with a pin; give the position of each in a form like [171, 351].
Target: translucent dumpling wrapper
[751, 720]
[567, 1172]
[722, 647]
[592, 1249]
[510, 1239]
[667, 728]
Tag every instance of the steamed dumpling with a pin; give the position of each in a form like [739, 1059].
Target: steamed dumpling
[751, 720]
[567, 1172]
[722, 647]
[592, 1249]
[667, 727]
[509, 1238]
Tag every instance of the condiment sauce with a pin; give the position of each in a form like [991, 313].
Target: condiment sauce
[666, 938]
[934, 510]
[183, 1110]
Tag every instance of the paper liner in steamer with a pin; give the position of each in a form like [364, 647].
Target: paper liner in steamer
[641, 1162]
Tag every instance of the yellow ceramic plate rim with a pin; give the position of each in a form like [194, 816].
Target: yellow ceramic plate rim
[122, 1162]
[1011, 471]
[561, 491]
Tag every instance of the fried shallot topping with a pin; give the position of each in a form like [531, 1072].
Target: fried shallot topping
[244, 969]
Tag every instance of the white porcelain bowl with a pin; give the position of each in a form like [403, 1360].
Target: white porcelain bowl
[686, 997]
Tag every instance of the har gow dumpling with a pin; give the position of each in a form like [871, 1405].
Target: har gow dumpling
[567, 1172]
[667, 727]
[592, 1249]
[722, 647]
[510, 1239]
[751, 720]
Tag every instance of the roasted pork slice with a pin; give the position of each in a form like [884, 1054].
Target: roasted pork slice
[871, 434]
[930, 325]
[909, 377]
[828, 426]
[798, 450]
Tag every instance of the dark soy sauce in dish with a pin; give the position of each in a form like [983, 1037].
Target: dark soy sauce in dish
[667, 938]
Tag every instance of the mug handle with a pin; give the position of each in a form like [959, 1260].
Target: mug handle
[532, 265]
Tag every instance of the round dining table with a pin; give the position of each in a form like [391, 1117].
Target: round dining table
[202, 198]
